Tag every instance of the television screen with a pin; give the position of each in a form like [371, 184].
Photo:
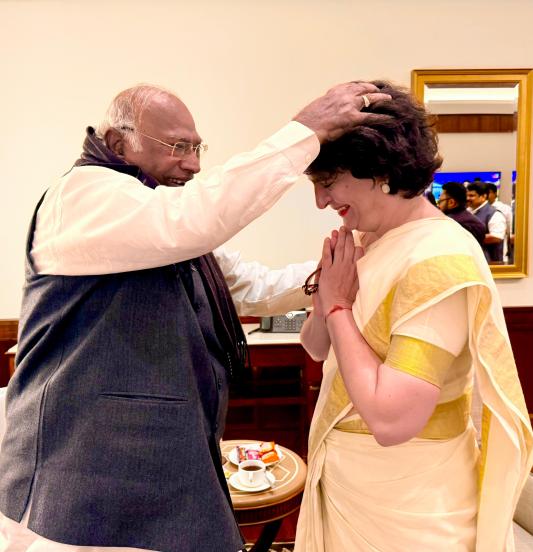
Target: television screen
[440, 178]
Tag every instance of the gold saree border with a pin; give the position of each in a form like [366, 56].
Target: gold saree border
[444, 272]
[495, 351]
[484, 446]
[419, 358]
[448, 420]
[506, 427]
[336, 402]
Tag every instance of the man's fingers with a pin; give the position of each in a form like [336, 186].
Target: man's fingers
[359, 252]
[377, 97]
[354, 88]
[366, 87]
[338, 111]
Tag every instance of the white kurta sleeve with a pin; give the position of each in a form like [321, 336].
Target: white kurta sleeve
[99, 221]
[259, 291]
[497, 225]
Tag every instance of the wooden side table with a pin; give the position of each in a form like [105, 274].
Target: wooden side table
[268, 507]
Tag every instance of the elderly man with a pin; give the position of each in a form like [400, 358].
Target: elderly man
[494, 221]
[128, 335]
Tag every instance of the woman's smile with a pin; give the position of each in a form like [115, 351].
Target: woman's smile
[343, 210]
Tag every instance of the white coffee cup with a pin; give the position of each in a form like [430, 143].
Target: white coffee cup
[252, 473]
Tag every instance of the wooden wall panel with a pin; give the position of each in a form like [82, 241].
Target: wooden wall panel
[8, 338]
[477, 122]
[520, 326]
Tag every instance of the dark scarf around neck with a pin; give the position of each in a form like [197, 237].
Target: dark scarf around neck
[227, 324]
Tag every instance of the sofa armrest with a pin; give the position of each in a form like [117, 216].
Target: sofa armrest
[524, 510]
[2, 411]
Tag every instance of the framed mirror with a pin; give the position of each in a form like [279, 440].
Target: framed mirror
[483, 118]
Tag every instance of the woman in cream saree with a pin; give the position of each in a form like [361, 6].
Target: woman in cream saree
[393, 460]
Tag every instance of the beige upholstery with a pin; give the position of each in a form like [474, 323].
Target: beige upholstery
[2, 411]
[523, 519]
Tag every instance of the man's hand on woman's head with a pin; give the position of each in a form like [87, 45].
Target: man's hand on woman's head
[339, 110]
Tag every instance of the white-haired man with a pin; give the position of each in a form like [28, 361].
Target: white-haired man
[128, 334]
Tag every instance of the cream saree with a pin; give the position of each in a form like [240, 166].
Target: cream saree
[431, 493]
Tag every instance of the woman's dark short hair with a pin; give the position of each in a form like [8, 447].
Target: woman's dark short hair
[402, 147]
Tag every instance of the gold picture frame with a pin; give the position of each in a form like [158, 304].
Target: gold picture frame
[425, 80]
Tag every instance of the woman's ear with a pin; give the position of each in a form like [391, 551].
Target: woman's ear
[383, 183]
[115, 142]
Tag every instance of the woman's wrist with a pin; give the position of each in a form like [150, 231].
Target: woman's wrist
[335, 308]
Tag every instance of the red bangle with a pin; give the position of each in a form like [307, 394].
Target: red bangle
[336, 308]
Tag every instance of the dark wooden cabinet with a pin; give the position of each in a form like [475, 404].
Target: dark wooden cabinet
[519, 322]
[275, 399]
[8, 338]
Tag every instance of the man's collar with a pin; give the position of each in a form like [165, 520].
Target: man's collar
[455, 210]
[473, 211]
[95, 152]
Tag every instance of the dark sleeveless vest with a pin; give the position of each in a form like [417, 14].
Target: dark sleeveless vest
[469, 222]
[115, 411]
[493, 251]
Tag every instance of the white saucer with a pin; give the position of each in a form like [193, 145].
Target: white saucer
[234, 481]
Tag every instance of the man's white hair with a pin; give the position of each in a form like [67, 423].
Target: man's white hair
[125, 112]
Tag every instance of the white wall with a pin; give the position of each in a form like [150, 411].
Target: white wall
[243, 68]
[481, 151]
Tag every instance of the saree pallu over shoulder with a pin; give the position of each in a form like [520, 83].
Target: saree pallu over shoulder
[407, 271]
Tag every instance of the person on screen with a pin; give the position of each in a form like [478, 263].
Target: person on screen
[494, 221]
[128, 336]
[452, 202]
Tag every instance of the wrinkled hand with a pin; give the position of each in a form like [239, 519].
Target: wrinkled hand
[339, 110]
[339, 281]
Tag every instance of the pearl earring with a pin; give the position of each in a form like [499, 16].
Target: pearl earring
[385, 188]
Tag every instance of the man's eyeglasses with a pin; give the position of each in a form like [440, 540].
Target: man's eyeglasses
[441, 199]
[311, 287]
[178, 149]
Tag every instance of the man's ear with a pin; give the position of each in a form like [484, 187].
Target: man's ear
[452, 204]
[115, 142]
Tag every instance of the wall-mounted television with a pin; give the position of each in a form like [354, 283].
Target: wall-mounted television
[440, 178]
